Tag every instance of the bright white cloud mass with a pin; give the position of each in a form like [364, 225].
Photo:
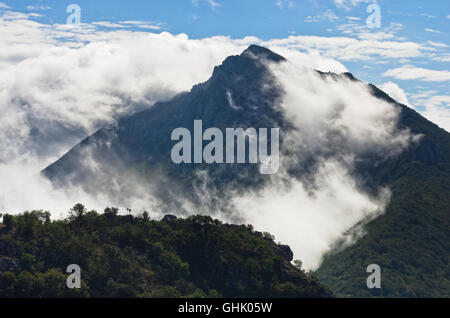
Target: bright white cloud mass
[60, 83]
[393, 90]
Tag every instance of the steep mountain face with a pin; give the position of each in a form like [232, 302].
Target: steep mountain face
[409, 242]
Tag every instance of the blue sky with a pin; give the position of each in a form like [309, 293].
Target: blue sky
[410, 49]
[262, 18]
[237, 18]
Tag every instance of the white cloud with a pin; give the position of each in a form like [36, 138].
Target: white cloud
[437, 44]
[430, 16]
[443, 57]
[284, 4]
[4, 6]
[361, 30]
[436, 107]
[409, 72]
[211, 3]
[353, 18]
[27, 190]
[432, 30]
[310, 19]
[311, 223]
[351, 49]
[393, 90]
[142, 24]
[41, 8]
[428, 103]
[328, 15]
[347, 4]
[316, 106]
[110, 24]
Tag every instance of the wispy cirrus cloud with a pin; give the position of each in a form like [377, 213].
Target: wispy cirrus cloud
[437, 44]
[213, 4]
[38, 8]
[281, 4]
[328, 15]
[142, 24]
[429, 16]
[432, 30]
[107, 24]
[348, 4]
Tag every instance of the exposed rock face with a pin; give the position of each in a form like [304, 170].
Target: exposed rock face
[285, 251]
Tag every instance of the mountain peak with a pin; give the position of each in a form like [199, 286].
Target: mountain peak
[248, 60]
[262, 52]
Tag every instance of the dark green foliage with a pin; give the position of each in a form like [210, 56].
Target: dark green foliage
[126, 256]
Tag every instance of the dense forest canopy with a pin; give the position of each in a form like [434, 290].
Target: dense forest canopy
[134, 256]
